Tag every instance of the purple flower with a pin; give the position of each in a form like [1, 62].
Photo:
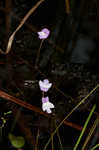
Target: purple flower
[46, 105]
[44, 33]
[45, 85]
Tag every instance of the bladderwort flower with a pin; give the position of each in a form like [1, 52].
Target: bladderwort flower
[46, 105]
[43, 34]
[45, 85]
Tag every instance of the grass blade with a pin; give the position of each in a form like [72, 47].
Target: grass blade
[84, 128]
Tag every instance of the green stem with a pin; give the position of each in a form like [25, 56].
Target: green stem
[52, 142]
[90, 133]
[95, 147]
[84, 128]
[37, 140]
[58, 135]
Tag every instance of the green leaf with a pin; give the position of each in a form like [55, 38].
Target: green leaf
[16, 141]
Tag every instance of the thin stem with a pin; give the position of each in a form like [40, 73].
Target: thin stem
[58, 135]
[42, 94]
[37, 140]
[67, 6]
[0, 134]
[84, 128]
[52, 142]
[95, 147]
[38, 54]
[90, 133]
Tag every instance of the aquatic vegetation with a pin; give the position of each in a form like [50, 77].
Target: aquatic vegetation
[26, 75]
[16, 141]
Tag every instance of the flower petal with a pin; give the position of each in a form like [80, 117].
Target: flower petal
[46, 106]
[49, 111]
[45, 85]
[44, 33]
[45, 99]
[51, 105]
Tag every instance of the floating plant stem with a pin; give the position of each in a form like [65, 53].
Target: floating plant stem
[84, 128]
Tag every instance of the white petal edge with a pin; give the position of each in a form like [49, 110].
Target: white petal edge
[49, 111]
